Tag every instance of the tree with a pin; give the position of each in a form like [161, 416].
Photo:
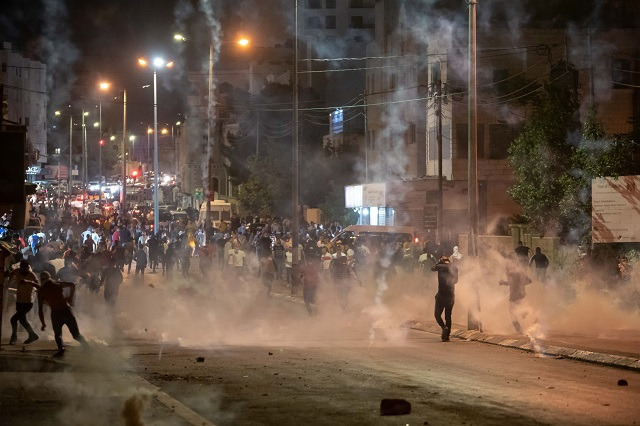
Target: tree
[597, 155]
[268, 187]
[333, 206]
[541, 158]
[554, 166]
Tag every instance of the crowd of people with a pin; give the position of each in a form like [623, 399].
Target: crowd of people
[95, 253]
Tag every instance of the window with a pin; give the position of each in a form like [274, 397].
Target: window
[26, 121]
[621, 73]
[330, 4]
[411, 133]
[359, 4]
[356, 22]
[315, 4]
[330, 22]
[500, 138]
[462, 140]
[314, 22]
[4, 67]
[392, 81]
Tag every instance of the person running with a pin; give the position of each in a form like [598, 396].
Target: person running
[516, 280]
[52, 293]
[445, 297]
[26, 282]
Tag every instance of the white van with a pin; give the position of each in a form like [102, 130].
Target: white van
[221, 211]
[385, 233]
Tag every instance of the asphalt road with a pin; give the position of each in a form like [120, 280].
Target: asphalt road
[264, 361]
[341, 379]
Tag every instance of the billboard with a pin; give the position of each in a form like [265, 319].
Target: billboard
[615, 215]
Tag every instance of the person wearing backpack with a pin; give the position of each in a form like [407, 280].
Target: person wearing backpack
[445, 298]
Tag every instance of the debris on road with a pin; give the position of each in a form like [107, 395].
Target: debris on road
[623, 382]
[200, 359]
[394, 407]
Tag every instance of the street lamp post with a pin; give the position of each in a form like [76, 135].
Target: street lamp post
[101, 142]
[149, 131]
[84, 149]
[158, 63]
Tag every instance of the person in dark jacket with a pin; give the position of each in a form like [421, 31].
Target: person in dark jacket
[542, 263]
[445, 298]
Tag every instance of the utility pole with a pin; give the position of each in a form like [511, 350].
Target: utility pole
[123, 188]
[70, 174]
[295, 222]
[472, 181]
[437, 79]
[84, 152]
[207, 188]
[473, 319]
[366, 140]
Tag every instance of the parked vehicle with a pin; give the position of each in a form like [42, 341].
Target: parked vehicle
[221, 211]
[384, 233]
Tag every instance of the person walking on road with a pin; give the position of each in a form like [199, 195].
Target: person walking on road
[542, 263]
[53, 294]
[445, 297]
[26, 283]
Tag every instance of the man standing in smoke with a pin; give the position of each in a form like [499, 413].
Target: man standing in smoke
[445, 298]
[542, 263]
[522, 252]
[516, 280]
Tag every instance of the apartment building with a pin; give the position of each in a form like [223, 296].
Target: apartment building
[24, 100]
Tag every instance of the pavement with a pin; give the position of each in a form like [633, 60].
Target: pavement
[619, 349]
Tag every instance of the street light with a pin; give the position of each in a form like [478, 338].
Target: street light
[158, 63]
[244, 42]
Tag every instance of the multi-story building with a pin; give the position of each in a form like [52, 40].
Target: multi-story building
[512, 64]
[24, 100]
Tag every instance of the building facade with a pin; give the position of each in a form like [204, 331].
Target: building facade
[430, 72]
[24, 100]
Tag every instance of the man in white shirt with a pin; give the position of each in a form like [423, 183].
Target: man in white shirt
[236, 260]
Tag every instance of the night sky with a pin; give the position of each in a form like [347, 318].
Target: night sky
[87, 41]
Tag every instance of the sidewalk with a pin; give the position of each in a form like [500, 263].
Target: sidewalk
[620, 349]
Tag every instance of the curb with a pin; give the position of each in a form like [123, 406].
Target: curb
[525, 344]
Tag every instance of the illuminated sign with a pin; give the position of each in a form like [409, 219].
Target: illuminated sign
[336, 120]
